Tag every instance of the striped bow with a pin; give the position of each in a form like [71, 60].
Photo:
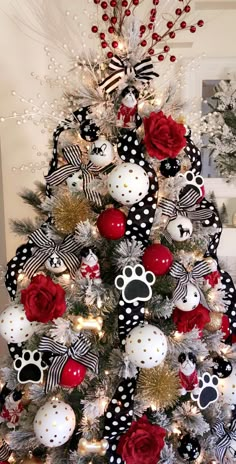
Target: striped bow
[72, 155]
[79, 351]
[5, 451]
[142, 71]
[186, 201]
[45, 247]
[225, 436]
[179, 272]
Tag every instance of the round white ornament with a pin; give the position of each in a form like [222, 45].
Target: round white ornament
[75, 182]
[191, 300]
[227, 388]
[180, 228]
[101, 153]
[54, 423]
[55, 264]
[14, 326]
[128, 183]
[146, 346]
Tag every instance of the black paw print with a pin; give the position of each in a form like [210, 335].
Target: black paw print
[207, 391]
[193, 182]
[30, 367]
[135, 284]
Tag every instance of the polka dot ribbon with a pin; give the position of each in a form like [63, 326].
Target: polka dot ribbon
[118, 417]
[16, 265]
[213, 221]
[193, 153]
[141, 215]
[228, 287]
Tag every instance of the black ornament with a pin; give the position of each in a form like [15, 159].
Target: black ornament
[169, 167]
[89, 131]
[15, 349]
[189, 448]
[222, 367]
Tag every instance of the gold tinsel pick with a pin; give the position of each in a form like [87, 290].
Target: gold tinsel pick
[69, 210]
[159, 386]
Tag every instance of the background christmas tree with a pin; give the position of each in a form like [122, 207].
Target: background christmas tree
[121, 324]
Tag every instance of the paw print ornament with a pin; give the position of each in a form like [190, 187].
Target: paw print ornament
[207, 390]
[146, 346]
[30, 367]
[135, 284]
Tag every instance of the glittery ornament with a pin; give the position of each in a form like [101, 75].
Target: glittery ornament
[159, 386]
[215, 322]
[69, 210]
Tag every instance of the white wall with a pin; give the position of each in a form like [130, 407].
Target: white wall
[19, 56]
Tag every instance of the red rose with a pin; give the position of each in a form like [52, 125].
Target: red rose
[185, 321]
[213, 278]
[142, 443]
[43, 300]
[164, 137]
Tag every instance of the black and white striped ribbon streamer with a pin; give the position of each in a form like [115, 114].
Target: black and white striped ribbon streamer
[225, 435]
[44, 247]
[142, 71]
[5, 451]
[79, 351]
[182, 206]
[179, 272]
[72, 155]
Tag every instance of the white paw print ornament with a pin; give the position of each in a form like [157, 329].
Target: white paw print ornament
[135, 284]
[30, 367]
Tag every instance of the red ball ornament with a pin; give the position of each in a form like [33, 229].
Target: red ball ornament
[155, 2]
[157, 258]
[124, 3]
[142, 28]
[73, 374]
[113, 3]
[94, 29]
[169, 24]
[113, 19]
[105, 17]
[109, 55]
[192, 29]
[111, 29]
[172, 35]
[150, 26]
[104, 5]
[183, 24]
[104, 44]
[96, 2]
[102, 36]
[151, 51]
[155, 36]
[112, 224]
[166, 48]
[173, 58]
[114, 44]
[161, 57]
[143, 43]
[153, 11]
[200, 23]
[135, 2]
[178, 11]
[127, 12]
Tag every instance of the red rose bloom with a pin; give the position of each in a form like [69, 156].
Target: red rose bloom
[185, 321]
[213, 278]
[142, 443]
[164, 137]
[43, 300]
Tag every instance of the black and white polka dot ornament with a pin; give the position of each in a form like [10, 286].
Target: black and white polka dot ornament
[101, 153]
[222, 367]
[75, 182]
[128, 183]
[189, 448]
[54, 423]
[15, 327]
[180, 229]
[170, 167]
[146, 346]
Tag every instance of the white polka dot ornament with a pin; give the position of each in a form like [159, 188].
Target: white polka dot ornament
[101, 153]
[54, 423]
[15, 327]
[146, 346]
[180, 228]
[128, 183]
[227, 387]
[189, 301]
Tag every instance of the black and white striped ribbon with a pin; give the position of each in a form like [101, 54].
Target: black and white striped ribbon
[182, 206]
[179, 272]
[142, 71]
[225, 435]
[79, 351]
[45, 247]
[72, 155]
[5, 451]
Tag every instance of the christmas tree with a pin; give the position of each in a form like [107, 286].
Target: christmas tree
[121, 323]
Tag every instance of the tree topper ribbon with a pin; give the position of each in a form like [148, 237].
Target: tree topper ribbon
[225, 435]
[179, 272]
[45, 247]
[182, 206]
[79, 351]
[72, 155]
[142, 71]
